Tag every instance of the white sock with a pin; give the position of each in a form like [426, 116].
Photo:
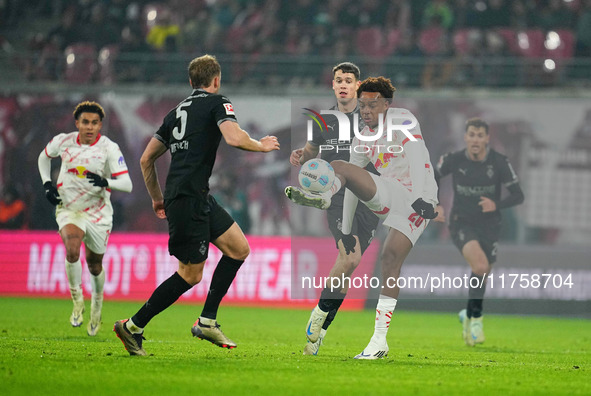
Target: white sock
[336, 186]
[384, 310]
[133, 329]
[97, 282]
[74, 274]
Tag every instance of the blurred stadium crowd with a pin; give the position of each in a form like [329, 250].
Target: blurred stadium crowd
[431, 43]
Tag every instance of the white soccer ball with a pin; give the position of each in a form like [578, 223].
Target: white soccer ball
[316, 175]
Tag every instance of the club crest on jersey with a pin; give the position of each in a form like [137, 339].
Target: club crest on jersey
[490, 172]
[229, 108]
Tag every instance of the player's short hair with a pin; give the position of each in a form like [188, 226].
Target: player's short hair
[89, 107]
[380, 84]
[347, 67]
[477, 123]
[204, 69]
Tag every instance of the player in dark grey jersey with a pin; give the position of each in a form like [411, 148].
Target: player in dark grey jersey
[192, 132]
[478, 174]
[346, 79]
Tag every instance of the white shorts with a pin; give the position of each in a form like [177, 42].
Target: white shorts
[96, 235]
[393, 205]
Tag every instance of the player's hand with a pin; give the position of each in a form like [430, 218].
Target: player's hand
[487, 205]
[295, 157]
[158, 207]
[424, 209]
[51, 193]
[349, 243]
[96, 180]
[269, 143]
[440, 214]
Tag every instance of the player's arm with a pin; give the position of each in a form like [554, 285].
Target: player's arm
[119, 179]
[44, 165]
[153, 151]
[306, 153]
[415, 152]
[239, 138]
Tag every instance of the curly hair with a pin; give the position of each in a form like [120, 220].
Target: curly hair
[380, 84]
[89, 107]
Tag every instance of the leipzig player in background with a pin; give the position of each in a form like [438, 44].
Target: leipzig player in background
[92, 166]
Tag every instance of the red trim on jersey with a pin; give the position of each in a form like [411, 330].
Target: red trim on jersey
[59, 185]
[45, 149]
[407, 139]
[119, 173]
[108, 189]
[384, 211]
[427, 166]
[92, 144]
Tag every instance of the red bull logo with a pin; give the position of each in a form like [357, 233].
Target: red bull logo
[78, 171]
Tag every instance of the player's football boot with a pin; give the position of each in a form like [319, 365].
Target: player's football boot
[314, 326]
[476, 331]
[76, 318]
[95, 315]
[211, 332]
[301, 197]
[131, 342]
[312, 348]
[376, 349]
[465, 321]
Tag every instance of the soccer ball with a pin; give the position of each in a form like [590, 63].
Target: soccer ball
[316, 176]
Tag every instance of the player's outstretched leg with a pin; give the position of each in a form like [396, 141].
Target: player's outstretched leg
[76, 318]
[314, 325]
[131, 342]
[305, 198]
[311, 348]
[209, 329]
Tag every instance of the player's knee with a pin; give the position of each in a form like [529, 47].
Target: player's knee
[481, 267]
[350, 262]
[338, 165]
[241, 252]
[95, 267]
[390, 259]
[73, 254]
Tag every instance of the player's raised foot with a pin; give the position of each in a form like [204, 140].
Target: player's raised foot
[376, 349]
[209, 329]
[96, 307]
[465, 321]
[311, 348]
[314, 326]
[476, 331]
[131, 342]
[76, 318]
[302, 197]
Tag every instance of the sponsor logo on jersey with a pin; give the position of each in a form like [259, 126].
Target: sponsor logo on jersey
[121, 161]
[78, 171]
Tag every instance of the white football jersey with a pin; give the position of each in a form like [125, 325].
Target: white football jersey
[390, 158]
[102, 157]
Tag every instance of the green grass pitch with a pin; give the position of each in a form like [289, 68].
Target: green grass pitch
[41, 354]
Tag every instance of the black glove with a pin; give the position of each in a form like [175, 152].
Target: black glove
[349, 243]
[424, 209]
[51, 193]
[96, 180]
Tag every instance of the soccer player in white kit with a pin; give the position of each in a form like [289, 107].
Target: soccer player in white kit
[91, 166]
[404, 196]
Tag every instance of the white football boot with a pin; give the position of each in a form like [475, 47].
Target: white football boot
[465, 321]
[376, 349]
[476, 331]
[95, 315]
[312, 348]
[76, 318]
[314, 326]
[305, 198]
